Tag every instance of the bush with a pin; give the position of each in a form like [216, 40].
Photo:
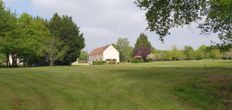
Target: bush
[2, 58]
[99, 62]
[136, 60]
[112, 62]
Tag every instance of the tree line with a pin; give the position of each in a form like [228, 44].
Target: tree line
[35, 41]
[144, 52]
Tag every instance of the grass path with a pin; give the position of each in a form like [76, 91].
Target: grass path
[179, 86]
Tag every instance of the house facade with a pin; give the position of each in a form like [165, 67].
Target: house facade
[106, 53]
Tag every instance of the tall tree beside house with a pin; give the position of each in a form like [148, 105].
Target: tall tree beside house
[66, 30]
[142, 47]
[8, 38]
[124, 48]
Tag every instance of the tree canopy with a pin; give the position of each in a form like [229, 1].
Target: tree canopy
[124, 48]
[162, 15]
[65, 29]
[37, 41]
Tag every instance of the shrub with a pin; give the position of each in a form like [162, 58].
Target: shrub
[2, 58]
[99, 62]
[135, 60]
[111, 61]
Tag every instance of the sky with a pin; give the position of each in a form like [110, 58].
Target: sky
[104, 21]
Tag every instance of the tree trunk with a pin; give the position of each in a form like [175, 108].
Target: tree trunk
[14, 60]
[7, 60]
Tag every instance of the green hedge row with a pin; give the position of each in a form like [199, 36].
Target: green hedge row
[99, 62]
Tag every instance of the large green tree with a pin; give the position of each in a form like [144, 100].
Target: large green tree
[162, 15]
[124, 48]
[66, 30]
[32, 33]
[8, 39]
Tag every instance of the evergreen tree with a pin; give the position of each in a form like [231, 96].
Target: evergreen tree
[66, 30]
[142, 47]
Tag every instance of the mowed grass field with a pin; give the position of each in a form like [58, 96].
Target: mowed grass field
[181, 85]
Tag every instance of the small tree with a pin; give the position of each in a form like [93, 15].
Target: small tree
[143, 52]
[228, 54]
[124, 48]
[189, 52]
[142, 47]
[53, 50]
[215, 54]
[83, 56]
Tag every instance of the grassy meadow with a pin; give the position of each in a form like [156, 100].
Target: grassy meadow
[181, 85]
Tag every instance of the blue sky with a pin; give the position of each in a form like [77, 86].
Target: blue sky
[104, 21]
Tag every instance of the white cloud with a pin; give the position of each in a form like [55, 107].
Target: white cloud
[103, 21]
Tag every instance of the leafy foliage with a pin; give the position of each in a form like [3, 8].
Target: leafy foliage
[142, 42]
[124, 48]
[34, 40]
[65, 29]
[162, 15]
[142, 47]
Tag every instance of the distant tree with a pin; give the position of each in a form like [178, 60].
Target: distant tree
[201, 52]
[54, 50]
[66, 30]
[151, 57]
[176, 54]
[142, 52]
[215, 54]
[142, 42]
[228, 54]
[84, 56]
[142, 47]
[189, 52]
[124, 48]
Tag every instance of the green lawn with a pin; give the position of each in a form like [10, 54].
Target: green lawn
[182, 85]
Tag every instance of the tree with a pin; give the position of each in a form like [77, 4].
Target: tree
[176, 54]
[142, 47]
[142, 52]
[2, 58]
[215, 54]
[189, 52]
[53, 50]
[66, 30]
[8, 39]
[84, 56]
[124, 48]
[162, 15]
[32, 33]
[142, 42]
[201, 52]
[228, 54]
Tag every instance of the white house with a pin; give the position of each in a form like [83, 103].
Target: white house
[105, 53]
